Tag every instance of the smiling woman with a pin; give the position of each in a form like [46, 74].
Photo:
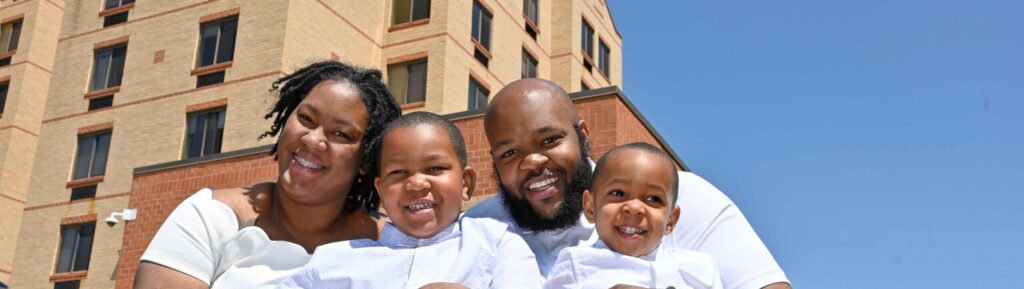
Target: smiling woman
[327, 118]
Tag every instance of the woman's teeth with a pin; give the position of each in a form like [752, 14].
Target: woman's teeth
[307, 164]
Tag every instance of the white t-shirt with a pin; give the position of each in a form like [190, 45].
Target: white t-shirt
[709, 222]
[201, 238]
[597, 266]
[477, 253]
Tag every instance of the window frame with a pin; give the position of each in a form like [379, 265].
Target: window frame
[529, 59]
[412, 12]
[473, 94]
[5, 87]
[218, 139]
[604, 56]
[13, 38]
[110, 66]
[94, 149]
[481, 37]
[407, 65]
[73, 262]
[217, 42]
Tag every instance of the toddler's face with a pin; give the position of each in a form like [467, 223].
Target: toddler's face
[421, 183]
[630, 202]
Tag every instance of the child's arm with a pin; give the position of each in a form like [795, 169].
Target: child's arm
[516, 266]
[562, 273]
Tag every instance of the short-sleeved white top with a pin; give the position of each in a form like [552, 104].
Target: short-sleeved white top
[202, 238]
[709, 222]
[597, 266]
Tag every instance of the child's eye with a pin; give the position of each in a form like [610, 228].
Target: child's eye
[436, 169]
[397, 173]
[616, 193]
[654, 199]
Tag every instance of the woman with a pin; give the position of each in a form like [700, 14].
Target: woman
[328, 114]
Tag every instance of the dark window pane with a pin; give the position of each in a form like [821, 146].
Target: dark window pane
[194, 141]
[3, 96]
[208, 79]
[5, 61]
[480, 56]
[226, 48]
[101, 102]
[101, 67]
[401, 11]
[477, 95]
[532, 11]
[420, 9]
[84, 249]
[529, 66]
[15, 34]
[83, 159]
[99, 161]
[117, 66]
[485, 29]
[210, 137]
[204, 133]
[83, 192]
[208, 43]
[584, 87]
[603, 59]
[67, 285]
[115, 19]
[475, 30]
[112, 4]
[587, 41]
[66, 252]
[417, 89]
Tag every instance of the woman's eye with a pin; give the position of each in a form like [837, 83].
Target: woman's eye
[340, 134]
[305, 119]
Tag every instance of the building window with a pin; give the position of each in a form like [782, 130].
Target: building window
[91, 159]
[116, 3]
[205, 133]
[108, 67]
[9, 34]
[217, 41]
[529, 65]
[604, 53]
[403, 11]
[587, 44]
[3, 96]
[482, 32]
[114, 19]
[101, 102]
[477, 95]
[83, 192]
[408, 81]
[75, 247]
[67, 285]
[584, 86]
[532, 14]
[210, 79]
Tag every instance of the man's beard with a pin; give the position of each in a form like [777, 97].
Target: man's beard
[567, 214]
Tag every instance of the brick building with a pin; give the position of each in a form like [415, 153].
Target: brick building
[115, 104]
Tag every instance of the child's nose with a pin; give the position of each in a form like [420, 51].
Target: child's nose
[633, 207]
[417, 183]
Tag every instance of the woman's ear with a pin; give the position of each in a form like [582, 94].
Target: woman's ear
[468, 182]
[588, 207]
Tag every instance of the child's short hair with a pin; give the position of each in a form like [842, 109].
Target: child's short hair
[647, 148]
[423, 117]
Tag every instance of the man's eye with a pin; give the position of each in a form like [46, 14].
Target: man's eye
[509, 153]
[550, 140]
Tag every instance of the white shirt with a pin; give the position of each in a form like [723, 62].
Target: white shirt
[477, 253]
[597, 266]
[201, 238]
[709, 222]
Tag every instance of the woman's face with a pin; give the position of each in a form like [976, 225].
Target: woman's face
[319, 148]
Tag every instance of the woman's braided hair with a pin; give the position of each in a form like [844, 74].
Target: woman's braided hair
[381, 105]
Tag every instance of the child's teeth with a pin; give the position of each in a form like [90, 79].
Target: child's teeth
[630, 230]
[421, 206]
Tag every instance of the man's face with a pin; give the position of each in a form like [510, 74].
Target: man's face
[540, 159]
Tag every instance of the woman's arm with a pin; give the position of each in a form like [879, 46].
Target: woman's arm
[152, 275]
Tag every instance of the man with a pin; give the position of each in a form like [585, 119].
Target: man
[541, 156]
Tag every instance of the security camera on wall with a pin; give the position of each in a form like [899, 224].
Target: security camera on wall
[126, 214]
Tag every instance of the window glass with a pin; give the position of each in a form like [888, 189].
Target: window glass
[217, 41]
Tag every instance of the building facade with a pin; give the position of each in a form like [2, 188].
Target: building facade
[104, 99]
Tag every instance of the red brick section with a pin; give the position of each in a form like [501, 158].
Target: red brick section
[609, 121]
[156, 194]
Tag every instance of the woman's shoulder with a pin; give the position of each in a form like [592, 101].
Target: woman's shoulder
[246, 202]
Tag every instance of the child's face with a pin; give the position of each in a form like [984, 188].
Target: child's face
[421, 183]
[629, 202]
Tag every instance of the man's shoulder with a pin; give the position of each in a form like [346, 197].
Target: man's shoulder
[490, 208]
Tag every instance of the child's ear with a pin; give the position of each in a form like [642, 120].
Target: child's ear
[468, 182]
[376, 184]
[588, 207]
[672, 220]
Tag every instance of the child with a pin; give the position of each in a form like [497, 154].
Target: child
[423, 179]
[631, 203]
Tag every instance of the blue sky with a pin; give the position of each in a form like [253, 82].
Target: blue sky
[872, 144]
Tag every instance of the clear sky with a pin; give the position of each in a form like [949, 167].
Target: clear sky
[872, 144]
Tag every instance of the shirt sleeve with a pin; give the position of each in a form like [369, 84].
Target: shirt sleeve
[190, 238]
[516, 267]
[563, 273]
[710, 222]
[305, 277]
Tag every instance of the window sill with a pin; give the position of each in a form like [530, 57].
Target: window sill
[531, 24]
[412, 105]
[212, 68]
[102, 92]
[587, 61]
[117, 9]
[8, 54]
[410, 24]
[85, 182]
[69, 276]
[481, 47]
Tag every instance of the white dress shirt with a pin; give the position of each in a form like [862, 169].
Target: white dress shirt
[709, 222]
[477, 253]
[597, 266]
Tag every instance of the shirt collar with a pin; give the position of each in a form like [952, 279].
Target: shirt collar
[391, 236]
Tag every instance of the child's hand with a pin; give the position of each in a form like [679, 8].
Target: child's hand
[443, 285]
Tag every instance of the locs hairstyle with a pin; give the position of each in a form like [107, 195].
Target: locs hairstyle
[381, 105]
[572, 201]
